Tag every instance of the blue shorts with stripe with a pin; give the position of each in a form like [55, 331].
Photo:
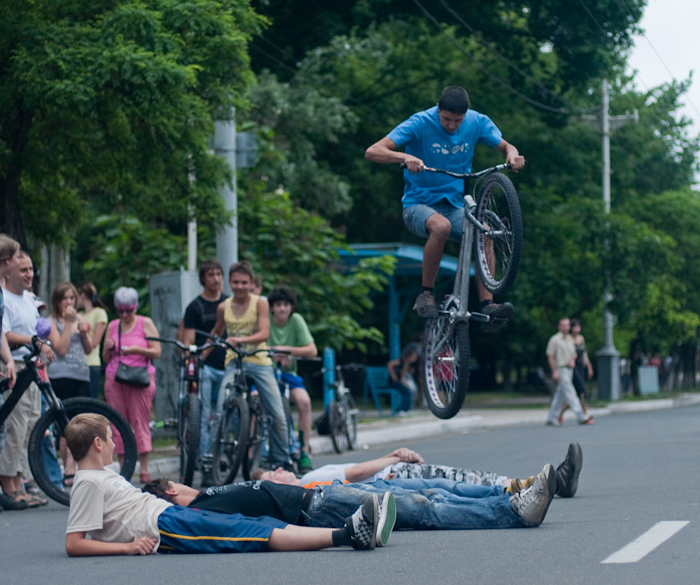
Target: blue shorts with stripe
[184, 530]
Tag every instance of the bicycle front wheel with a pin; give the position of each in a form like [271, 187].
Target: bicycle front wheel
[190, 426]
[499, 249]
[445, 368]
[55, 422]
[259, 435]
[231, 440]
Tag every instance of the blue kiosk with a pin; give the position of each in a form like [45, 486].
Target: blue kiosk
[409, 260]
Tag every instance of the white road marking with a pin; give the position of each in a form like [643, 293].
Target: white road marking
[647, 542]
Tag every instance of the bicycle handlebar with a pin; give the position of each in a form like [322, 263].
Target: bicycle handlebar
[191, 348]
[500, 167]
[355, 367]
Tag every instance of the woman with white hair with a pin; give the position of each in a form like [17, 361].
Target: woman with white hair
[126, 345]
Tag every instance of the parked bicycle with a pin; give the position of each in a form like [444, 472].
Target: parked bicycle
[57, 417]
[244, 426]
[493, 226]
[296, 442]
[342, 412]
[189, 406]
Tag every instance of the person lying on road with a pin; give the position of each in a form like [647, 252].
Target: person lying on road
[406, 464]
[109, 516]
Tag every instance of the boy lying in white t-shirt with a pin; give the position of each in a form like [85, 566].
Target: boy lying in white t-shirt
[109, 516]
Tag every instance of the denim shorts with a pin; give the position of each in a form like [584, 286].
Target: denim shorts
[415, 217]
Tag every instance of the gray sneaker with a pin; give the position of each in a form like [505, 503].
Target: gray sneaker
[387, 518]
[425, 305]
[568, 472]
[531, 504]
[363, 524]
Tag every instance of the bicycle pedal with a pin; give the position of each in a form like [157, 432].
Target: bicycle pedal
[480, 317]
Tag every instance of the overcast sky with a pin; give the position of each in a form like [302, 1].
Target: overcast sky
[672, 27]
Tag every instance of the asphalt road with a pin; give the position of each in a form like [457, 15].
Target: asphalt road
[639, 470]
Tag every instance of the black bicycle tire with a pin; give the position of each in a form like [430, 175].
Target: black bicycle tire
[459, 340]
[351, 428]
[290, 431]
[253, 452]
[223, 450]
[73, 407]
[189, 447]
[336, 420]
[493, 284]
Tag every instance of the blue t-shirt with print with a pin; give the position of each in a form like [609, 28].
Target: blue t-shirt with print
[423, 136]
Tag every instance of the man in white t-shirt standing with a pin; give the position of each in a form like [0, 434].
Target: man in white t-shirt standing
[561, 355]
[19, 325]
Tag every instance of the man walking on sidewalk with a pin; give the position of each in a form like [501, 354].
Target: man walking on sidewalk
[561, 355]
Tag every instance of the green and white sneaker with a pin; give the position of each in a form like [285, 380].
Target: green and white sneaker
[387, 518]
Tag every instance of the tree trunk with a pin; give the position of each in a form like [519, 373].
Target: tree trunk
[10, 214]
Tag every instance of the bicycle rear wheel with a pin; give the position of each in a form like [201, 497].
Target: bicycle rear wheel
[336, 419]
[498, 250]
[445, 368]
[54, 421]
[189, 435]
[351, 421]
[231, 440]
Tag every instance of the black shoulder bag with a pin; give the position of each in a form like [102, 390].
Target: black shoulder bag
[131, 375]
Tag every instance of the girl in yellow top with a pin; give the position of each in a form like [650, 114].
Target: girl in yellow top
[245, 319]
[95, 314]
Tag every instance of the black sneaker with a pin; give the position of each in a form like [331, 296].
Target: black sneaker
[363, 524]
[425, 305]
[568, 472]
[499, 315]
[531, 504]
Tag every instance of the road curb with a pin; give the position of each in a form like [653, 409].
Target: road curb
[393, 430]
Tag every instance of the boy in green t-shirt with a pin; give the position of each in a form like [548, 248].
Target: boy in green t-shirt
[289, 332]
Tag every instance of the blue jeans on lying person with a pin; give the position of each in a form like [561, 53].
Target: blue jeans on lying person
[447, 505]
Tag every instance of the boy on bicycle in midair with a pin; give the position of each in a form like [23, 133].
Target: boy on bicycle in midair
[289, 332]
[444, 137]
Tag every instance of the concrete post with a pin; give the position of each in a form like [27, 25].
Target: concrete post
[227, 238]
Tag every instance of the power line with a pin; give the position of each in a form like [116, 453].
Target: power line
[605, 34]
[623, 3]
[488, 73]
[273, 58]
[281, 50]
[503, 58]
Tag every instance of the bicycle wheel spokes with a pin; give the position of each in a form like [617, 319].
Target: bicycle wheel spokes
[231, 441]
[498, 250]
[445, 366]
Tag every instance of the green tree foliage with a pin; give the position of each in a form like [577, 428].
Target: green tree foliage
[115, 102]
[398, 63]
[289, 245]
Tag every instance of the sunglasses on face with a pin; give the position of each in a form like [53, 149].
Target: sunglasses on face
[126, 310]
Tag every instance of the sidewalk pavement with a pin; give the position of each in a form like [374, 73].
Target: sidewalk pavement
[421, 423]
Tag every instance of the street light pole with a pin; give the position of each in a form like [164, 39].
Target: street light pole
[608, 356]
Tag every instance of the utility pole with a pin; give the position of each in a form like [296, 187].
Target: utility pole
[240, 150]
[608, 356]
[227, 237]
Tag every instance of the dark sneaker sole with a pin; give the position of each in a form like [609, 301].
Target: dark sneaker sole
[387, 519]
[575, 456]
[498, 319]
